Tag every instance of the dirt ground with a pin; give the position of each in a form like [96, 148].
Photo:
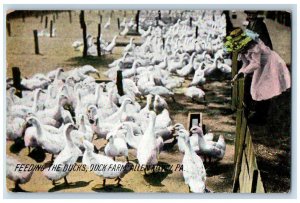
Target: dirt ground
[58, 52]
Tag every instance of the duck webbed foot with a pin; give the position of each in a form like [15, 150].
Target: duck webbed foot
[66, 181]
[119, 180]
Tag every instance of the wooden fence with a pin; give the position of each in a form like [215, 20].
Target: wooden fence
[247, 177]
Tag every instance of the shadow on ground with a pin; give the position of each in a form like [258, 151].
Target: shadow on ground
[63, 186]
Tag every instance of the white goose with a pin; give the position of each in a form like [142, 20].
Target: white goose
[66, 158]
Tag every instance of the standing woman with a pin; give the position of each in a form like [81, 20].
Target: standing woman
[271, 77]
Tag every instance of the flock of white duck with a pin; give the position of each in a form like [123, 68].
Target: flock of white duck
[68, 110]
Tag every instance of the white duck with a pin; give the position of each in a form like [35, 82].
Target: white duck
[163, 120]
[111, 46]
[33, 83]
[116, 117]
[116, 145]
[66, 158]
[158, 90]
[129, 47]
[196, 94]
[18, 176]
[130, 72]
[174, 65]
[210, 67]
[159, 103]
[194, 172]
[147, 152]
[107, 24]
[187, 69]
[224, 67]
[54, 112]
[51, 142]
[215, 150]
[15, 127]
[198, 78]
[115, 170]
[125, 31]
[193, 138]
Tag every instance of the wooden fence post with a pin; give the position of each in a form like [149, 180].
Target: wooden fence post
[137, 19]
[234, 88]
[163, 41]
[196, 34]
[120, 83]
[98, 40]
[159, 15]
[83, 27]
[17, 80]
[254, 181]
[118, 23]
[241, 143]
[23, 17]
[46, 22]
[36, 42]
[70, 16]
[8, 28]
[191, 21]
[51, 28]
[239, 115]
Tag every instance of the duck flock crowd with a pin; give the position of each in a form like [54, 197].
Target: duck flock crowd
[63, 112]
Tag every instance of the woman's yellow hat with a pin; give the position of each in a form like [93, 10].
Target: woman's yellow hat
[236, 41]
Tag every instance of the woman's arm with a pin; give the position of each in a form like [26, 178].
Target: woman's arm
[254, 63]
